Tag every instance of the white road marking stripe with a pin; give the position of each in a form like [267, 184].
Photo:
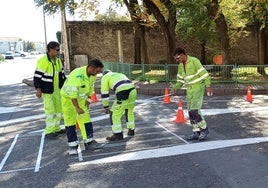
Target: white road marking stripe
[79, 153]
[172, 133]
[126, 151]
[106, 116]
[23, 119]
[40, 116]
[4, 110]
[94, 119]
[175, 150]
[9, 152]
[39, 157]
[17, 170]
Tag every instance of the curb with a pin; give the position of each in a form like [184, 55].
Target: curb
[159, 88]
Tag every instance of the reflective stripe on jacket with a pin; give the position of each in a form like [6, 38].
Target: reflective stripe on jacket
[194, 73]
[116, 82]
[44, 74]
[78, 85]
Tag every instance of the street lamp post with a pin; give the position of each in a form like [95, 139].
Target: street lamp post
[45, 29]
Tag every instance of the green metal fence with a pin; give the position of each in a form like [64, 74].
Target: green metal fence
[167, 72]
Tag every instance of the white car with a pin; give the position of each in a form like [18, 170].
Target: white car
[20, 54]
[9, 55]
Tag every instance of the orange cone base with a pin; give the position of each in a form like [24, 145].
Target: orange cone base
[167, 100]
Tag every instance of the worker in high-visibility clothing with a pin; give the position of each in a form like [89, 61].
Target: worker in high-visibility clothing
[196, 79]
[76, 94]
[48, 79]
[124, 102]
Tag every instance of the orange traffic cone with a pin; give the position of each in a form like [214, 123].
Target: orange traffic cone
[94, 97]
[249, 95]
[180, 115]
[167, 97]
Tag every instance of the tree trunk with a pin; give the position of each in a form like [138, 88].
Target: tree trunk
[261, 50]
[221, 29]
[139, 34]
[203, 52]
[167, 27]
[65, 41]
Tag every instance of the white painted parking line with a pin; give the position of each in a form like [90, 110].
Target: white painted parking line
[23, 119]
[126, 151]
[8, 152]
[39, 157]
[174, 150]
[94, 119]
[4, 110]
[17, 170]
[172, 133]
[218, 111]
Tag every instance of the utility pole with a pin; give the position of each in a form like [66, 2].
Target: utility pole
[45, 28]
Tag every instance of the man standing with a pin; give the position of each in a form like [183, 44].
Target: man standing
[126, 95]
[194, 76]
[76, 93]
[48, 79]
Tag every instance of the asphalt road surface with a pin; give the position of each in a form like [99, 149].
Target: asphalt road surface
[234, 155]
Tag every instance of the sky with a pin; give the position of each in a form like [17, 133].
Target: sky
[21, 18]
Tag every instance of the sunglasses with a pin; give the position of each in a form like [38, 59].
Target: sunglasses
[177, 57]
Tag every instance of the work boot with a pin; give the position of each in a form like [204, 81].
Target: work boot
[93, 145]
[131, 132]
[203, 134]
[73, 150]
[52, 136]
[194, 136]
[115, 136]
[62, 131]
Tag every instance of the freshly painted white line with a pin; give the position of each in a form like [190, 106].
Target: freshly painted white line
[17, 170]
[79, 153]
[175, 150]
[23, 119]
[94, 119]
[217, 111]
[232, 110]
[102, 117]
[4, 110]
[9, 152]
[126, 151]
[39, 157]
[172, 133]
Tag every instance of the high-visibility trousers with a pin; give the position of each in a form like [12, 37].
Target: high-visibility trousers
[119, 108]
[71, 117]
[53, 112]
[195, 96]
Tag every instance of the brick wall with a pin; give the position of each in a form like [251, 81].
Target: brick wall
[99, 40]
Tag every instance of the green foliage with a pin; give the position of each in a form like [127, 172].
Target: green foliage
[249, 74]
[193, 21]
[111, 16]
[233, 11]
[2, 58]
[58, 35]
[256, 12]
[53, 6]
[29, 46]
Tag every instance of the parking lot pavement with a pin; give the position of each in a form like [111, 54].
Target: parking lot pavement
[157, 156]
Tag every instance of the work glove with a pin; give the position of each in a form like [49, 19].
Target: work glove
[106, 110]
[209, 91]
